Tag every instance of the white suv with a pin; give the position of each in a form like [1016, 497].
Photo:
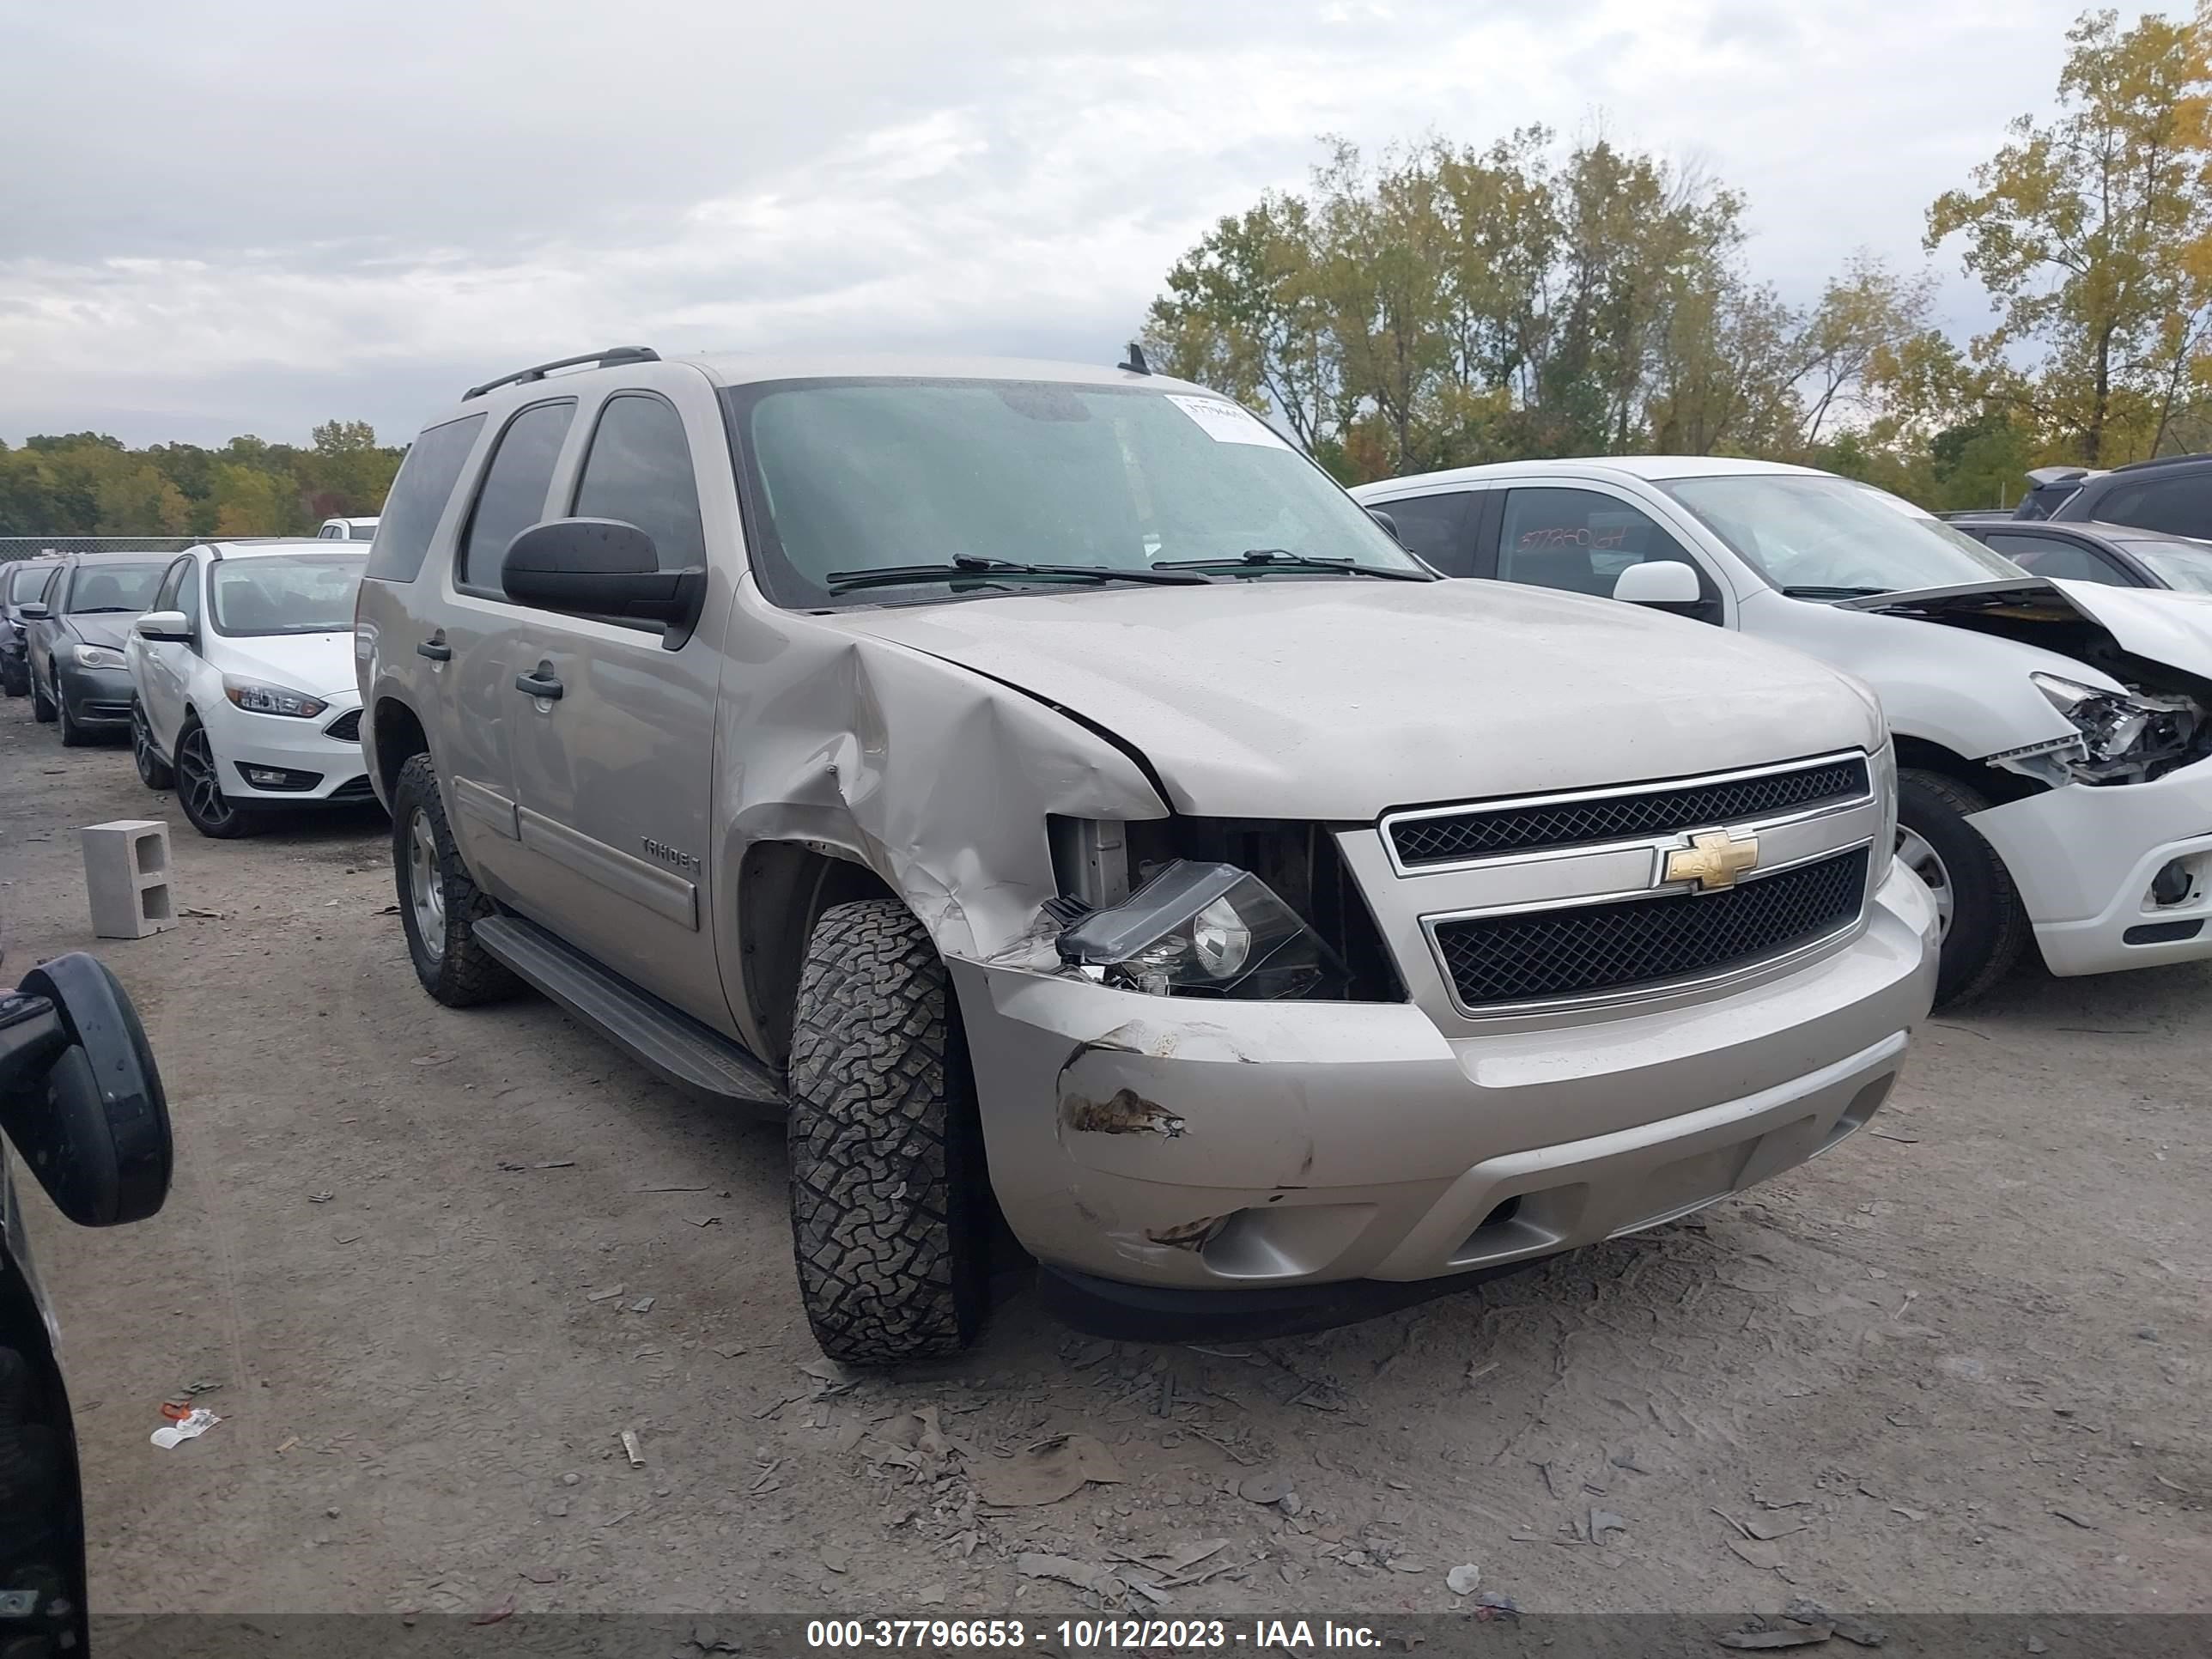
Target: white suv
[242, 682]
[347, 529]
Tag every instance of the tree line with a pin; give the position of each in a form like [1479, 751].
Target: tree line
[86, 483]
[1444, 305]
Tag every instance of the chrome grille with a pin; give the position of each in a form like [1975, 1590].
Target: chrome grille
[1591, 949]
[1454, 836]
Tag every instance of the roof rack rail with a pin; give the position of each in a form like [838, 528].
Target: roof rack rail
[2159, 460]
[538, 371]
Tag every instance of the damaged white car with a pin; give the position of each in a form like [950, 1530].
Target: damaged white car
[1094, 832]
[2051, 736]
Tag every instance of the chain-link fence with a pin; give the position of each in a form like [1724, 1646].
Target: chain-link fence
[31, 547]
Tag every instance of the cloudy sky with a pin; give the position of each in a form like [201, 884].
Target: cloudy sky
[247, 215]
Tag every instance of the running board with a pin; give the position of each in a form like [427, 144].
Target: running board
[664, 1040]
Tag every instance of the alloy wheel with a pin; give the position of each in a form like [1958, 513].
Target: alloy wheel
[1923, 861]
[198, 784]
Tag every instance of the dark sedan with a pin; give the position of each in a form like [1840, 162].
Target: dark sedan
[2117, 554]
[77, 636]
[23, 582]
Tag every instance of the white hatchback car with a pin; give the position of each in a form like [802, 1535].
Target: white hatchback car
[242, 682]
[2054, 738]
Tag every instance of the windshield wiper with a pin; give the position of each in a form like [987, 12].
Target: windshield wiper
[1821, 593]
[971, 564]
[102, 610]
[1254, 559]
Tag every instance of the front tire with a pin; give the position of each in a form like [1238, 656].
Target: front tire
[199, 788]
[153, 771]
[889, 1195]
[1985, 925]
[439, 901]
[73, 735]
[42, 709]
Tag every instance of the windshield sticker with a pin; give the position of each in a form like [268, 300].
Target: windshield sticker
[1227, 423]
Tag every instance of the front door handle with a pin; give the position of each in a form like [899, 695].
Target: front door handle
[435, 649]
[544, 683]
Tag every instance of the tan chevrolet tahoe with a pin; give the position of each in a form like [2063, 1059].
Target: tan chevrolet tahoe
[1096, 834]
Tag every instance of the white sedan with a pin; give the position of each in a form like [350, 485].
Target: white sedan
[2054, 738]
[242, 682]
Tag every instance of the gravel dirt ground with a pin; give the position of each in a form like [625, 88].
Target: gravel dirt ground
[437, 1264]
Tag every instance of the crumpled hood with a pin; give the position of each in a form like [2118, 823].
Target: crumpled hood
[106, 628]
[2167, 627]
[1339, 698]
[318, 663]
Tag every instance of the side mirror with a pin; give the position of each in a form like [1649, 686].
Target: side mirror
[79, 1095]
[1659, 582]
[32, 610]
[602, 567]
[165, 625]
[1387, 523]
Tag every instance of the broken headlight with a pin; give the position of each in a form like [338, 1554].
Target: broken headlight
[1203, 930]
[2125, 737]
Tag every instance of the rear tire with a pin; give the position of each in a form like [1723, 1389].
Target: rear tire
[889, 1195]
[1988, 927]
[153, 771]
[438, 902]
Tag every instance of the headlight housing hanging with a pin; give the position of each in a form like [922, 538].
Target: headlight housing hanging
[1204, 930]
[2125, 736]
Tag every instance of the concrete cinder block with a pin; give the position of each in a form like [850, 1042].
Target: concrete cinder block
[126, 877]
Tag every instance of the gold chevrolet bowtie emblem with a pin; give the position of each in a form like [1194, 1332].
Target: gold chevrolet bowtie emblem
[1713, 860]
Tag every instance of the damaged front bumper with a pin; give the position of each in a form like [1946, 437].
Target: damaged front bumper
[2086, 860]
[1307, 1162]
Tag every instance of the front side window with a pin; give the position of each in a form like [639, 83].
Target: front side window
[166, 599]
[513, 496]
[1578, 540]
[1817, 537]
[639, 471]
[301, 593]
[2053, 556]
[418, 497]
[850, 478]
[129, 588]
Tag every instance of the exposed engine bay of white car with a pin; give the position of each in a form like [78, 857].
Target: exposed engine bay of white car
[2162, 719]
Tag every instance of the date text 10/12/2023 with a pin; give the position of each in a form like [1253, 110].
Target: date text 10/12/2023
[1087, 1635]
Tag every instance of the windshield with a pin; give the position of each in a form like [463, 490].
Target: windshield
[852, 477]
[1828, 537]
[2184, 565]
[306, 593]
[103, 587]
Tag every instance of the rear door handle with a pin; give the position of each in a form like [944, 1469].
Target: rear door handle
[435, 649]
[544, 683]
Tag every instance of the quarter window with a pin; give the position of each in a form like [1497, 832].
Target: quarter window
[639, 471]
[1434, 528]
[418, 496]
[1579, 540]
[512, 496]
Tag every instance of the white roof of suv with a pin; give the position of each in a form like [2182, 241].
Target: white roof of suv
[1651, 467]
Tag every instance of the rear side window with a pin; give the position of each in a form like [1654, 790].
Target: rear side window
[1434, 528]
[2179, 506]
[2052, 556]
[513, 497]
[639, 471]
[418, 499]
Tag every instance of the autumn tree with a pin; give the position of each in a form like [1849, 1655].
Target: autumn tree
[2093, 235]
